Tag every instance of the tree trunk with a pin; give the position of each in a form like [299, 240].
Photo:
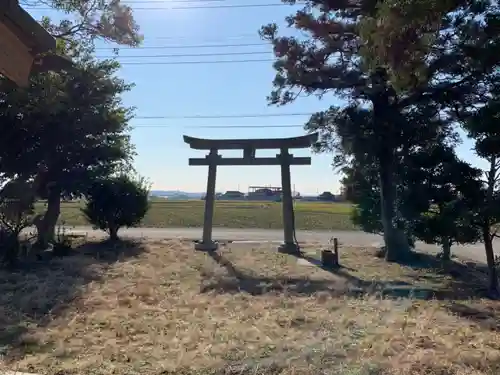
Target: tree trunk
[446, 245]
[395, 250]
[493, 288]
[11, 249]
[47, 226]
[113, 233]
[487, 237]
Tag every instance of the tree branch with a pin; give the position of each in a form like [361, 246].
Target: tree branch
[73, 30]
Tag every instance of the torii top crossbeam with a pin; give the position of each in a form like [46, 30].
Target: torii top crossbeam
[264, 143]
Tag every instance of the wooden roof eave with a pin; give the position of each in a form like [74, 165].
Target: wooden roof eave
[26, 28]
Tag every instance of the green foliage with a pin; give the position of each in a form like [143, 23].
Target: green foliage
[434, 189]
[428, 44]
[448, 184]
[116, 202]
[482, 127]
[73, 124]
[450, 223]
[16, 214]
[408, 72]
[63, 244]
[379, 125]
[87, 21]
[362, 189]
[16, 206]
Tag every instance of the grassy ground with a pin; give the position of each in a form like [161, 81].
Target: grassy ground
[163, 308]
[230, 214]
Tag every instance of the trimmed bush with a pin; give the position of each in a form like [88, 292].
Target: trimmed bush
[116, 202]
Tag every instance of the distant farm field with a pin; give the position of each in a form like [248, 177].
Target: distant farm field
[230, 214]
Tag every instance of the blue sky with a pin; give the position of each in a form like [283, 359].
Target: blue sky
[212, 89]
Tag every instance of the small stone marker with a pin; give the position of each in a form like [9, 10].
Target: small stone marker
[330, 259]
[327, 258]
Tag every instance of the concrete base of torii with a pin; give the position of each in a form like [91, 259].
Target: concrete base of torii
[289, 248]
[206, 246]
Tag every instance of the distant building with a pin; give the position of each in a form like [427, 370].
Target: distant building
[264, 193]
[232, 195]
[326, 196]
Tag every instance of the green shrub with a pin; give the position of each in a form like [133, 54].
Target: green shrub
[16, 214]
[116, 202]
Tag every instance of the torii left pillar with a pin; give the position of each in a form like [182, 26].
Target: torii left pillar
[207, 243]
[289, 245]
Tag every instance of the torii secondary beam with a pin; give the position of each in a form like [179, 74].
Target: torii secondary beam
[250, 161]
[249, 146]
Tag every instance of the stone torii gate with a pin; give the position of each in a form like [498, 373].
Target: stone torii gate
[249, 146]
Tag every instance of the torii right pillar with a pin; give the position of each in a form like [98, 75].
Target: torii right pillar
[289, 245]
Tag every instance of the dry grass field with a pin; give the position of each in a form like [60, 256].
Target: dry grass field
[162, 308]
[230, 214]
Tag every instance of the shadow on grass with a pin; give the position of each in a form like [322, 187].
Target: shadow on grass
[343, 272]
[37, 292]
[484, 314]
[242, 282]
[256, 285]
[109, 252]
[461, 286]
[468, 279]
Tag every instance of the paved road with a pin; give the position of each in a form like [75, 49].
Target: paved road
[473, 252]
